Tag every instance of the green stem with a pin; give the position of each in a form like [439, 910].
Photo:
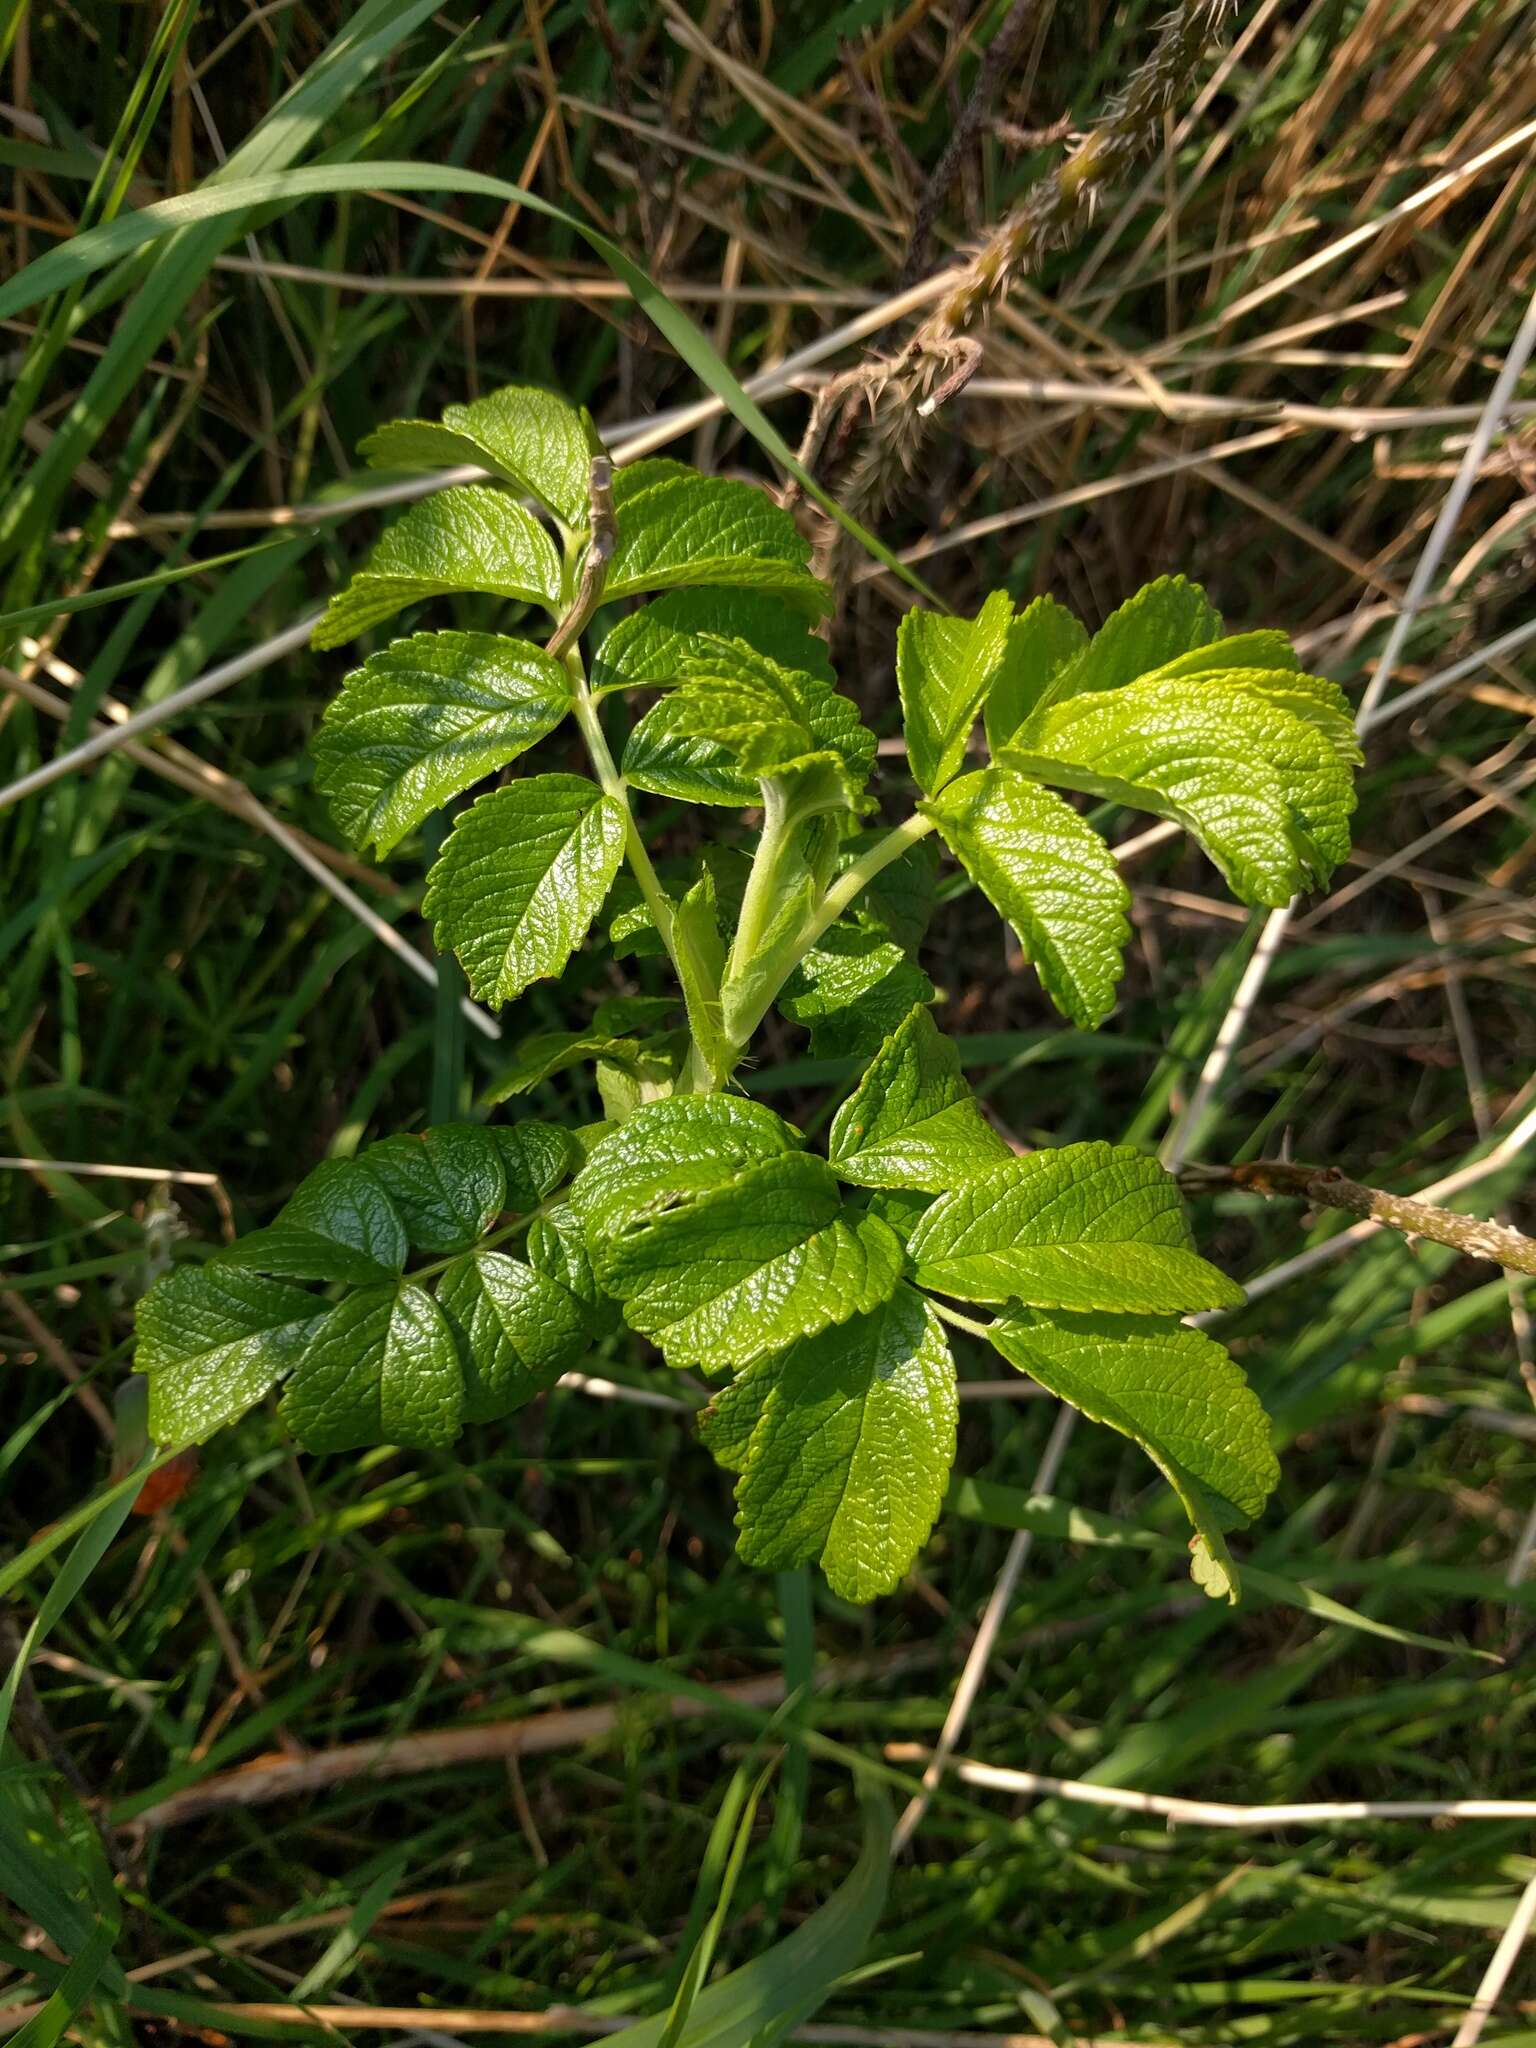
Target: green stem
[953, 1315]
[857, 878]
[758, 902]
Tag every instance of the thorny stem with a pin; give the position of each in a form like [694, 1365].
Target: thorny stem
[1326, 1187]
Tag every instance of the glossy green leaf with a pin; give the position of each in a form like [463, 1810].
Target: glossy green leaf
[852, 989]
[1043, 641]
[844, 1442]
[549, 1053]
[535, 1158]
[1265, 791]
[521, 877]
[1174, 1392]
[473, 537]
[1051, 875]
[666, 1154]
[743, 1268]
[1089, 1226]
[557, 1251]
[426, 717]
[677, 526]
[213, 1340]
[944, 669]
[447, 1185]
[516, 1331]
[338, 1224]
[913, 1122]
[662, 641]
[529, 436]
[1164, 620]
[382, 1368]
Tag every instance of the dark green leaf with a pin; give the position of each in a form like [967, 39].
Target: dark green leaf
[517, 1331]
[337, 1225]
[536, 1158]
[213, 1341]
[448, 1184]
[381, 1368]
[667, 1153]
[852, 988]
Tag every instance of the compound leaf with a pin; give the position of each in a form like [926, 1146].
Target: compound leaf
[1177, 1394]
[447, 1185]
[338, 1224]
[1050, 875]
[1089, 1226]
[473, 537]
[944, 669]
[213, 1340]
[423, 719]
[847, 1447]
[676, 526]
[530, 437]
[521, 877]
[381, 1368]
[744, 1268]
[913, 1122]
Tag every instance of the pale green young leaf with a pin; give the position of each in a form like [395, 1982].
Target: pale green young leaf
[447, 1185]
[382, 1368]
[744, 1268]
[913, 1122]
[1050, 874]
[852, 989]
[516, 1331]
[1264, 649]
[474, 537]
[1090, 1226]
[521, 877]
[213, 1340]
[661, 642]
[1265, 791]
[679, 527]
[338, 1224]
[426, 717]
[1162, 621]
[944, 669]
[535, 1158]
[527, 435]
[699, 950]
[669, 1152]
[1043, 640]
[1176, 1394]
[849, 1453]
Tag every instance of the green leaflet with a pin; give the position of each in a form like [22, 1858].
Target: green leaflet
[912, 1122]
[1174, 1392]
[447, 1185]
[1089, 1226]
[667, 1153]
[663, 640]
[1162, 621]
[844, 1443]
[944, 669]
[381, 1368]
[521, 877]
[852, 989]
[535, 1158]
[745, 1267]
[552, 1052]
[676, 526]
[557, 1252]
[1042, 641]
[1264, 790]
[339, 1224]
[516, 1331]
[425, 718]
[1050, 875]
[738, 719]
[473, 537]
[533, 439]
[213, 1340]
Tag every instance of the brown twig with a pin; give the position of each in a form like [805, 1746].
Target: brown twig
[1327, 1188]
[594, 568]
